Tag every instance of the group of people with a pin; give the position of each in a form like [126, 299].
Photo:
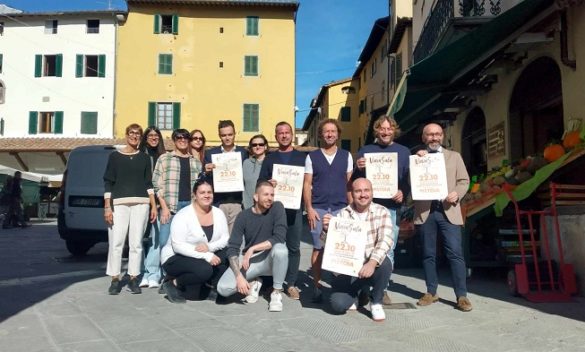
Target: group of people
[203, 242]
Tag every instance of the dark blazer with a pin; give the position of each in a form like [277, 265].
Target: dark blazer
[457, 180]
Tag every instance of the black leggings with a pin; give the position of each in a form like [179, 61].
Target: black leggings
[192, 273]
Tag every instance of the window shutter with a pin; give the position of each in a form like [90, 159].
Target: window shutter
[78, 65]
[161, 66]
[88, 122]
[151, 114]
[255, 116]
[169, 64]
[175, 24]
[102, 66]
[58, 122]
[59, 65]
[176, 115]
[38, 65]
[157, 24]
[33, 122]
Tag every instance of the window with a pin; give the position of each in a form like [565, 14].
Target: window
[166, 24]
[346, 144]
[251, 112]
[383, 53]
[51, 26]
[374, 67]
[90, 65]
[165, 64]
[345, 114]
[1, 28]
[1, 60]
[89, 122]
[251, 66]
[398, 67]
[2, 92]
[45, 122]
[365, 74]
[93, 26]
[48, 65]
[165, 116]
[361, 107]
[252, 25]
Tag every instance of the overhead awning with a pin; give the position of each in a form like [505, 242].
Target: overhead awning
[433, 82]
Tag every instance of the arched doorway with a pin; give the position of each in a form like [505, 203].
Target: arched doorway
[536, 108]
[473, 142]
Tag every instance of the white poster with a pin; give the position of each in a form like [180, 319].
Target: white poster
[345, 246]
[227, 174]
[428, 177]
[289, 185]
[382, 171]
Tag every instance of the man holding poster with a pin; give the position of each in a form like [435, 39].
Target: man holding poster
[377, 267]
[287, 155]
[385, 130]
[443, 216]
[229, 202]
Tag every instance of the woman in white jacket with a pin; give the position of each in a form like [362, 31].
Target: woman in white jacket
[195, 254]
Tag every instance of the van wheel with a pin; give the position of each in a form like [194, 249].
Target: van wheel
[78, 248]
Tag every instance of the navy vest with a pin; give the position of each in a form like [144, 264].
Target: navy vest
[329, 181]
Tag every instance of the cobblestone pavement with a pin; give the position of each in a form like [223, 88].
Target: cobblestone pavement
[53, 302]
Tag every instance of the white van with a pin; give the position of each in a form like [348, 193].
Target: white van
[81, 203]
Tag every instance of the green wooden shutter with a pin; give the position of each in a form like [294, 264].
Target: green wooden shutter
[33, 121]
[157, 24]
[175, 24]
[78, 65]
[252, 25]
[151, 114]
[176, 115]
[251, 66]
[89, 122]
[58, 122]
[59, 65]
[101, 65]
[38, 65]
[254, 65]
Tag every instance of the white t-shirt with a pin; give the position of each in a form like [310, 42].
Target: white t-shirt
[309, 163]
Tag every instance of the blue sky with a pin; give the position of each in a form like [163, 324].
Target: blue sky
[330, 37]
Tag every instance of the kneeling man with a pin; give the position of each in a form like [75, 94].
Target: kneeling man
[377, 268]
[263, 231]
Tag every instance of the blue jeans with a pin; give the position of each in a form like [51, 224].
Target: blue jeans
[437, 222]
[165, 229]
[345, 289]
[151, 267]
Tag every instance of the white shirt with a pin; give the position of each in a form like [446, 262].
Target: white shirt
[309, 163]
[186, 233]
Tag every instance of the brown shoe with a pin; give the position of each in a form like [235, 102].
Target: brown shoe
[427, 299]
[386, 300]
[463, 304]
[293, 293]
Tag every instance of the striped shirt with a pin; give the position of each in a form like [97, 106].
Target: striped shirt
[167, 174]
[379, 239]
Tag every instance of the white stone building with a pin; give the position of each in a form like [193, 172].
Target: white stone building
[57, 74]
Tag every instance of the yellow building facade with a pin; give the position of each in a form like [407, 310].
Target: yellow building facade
[337, 100]
[190, 64]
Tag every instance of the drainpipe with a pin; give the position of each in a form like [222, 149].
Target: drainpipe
[564, 45]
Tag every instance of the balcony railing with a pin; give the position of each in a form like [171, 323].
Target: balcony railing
[441, 15]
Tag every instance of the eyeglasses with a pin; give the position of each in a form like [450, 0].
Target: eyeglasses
[258, 144]
[182, 137]
[195, 138]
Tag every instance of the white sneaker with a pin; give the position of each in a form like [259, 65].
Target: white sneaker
[377, 311]
[252, 296]
[153, 284]
[352, 308]
[143, 282]
[275, 304]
